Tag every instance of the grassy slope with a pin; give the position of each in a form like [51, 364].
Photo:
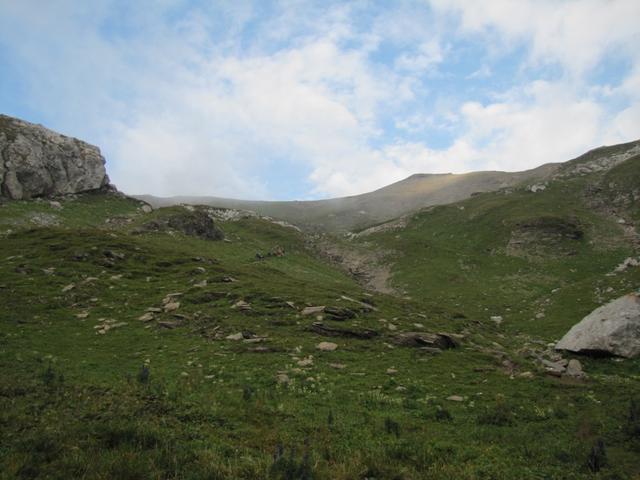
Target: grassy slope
[72, 407]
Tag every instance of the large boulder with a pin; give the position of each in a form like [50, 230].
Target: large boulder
[613, 329]
[35, 162]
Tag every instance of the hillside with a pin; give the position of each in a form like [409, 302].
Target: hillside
[409, 195]
[193, 342]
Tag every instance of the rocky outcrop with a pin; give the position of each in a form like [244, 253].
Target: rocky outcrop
[192, 222]
[35, 162]
[613, 329]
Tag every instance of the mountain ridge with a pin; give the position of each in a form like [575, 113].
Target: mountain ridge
[406, 196]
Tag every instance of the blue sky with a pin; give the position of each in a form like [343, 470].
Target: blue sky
[303, 99]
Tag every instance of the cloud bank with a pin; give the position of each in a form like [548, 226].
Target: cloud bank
[282, 100]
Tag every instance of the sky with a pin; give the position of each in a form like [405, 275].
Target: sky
[283, 100]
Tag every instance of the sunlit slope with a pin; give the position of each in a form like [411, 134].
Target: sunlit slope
[409, 195]
[540, 260]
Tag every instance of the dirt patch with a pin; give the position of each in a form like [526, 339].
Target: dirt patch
[369, 266]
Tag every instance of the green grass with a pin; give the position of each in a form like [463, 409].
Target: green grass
[72, 404]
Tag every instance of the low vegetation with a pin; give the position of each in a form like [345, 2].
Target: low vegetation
[132, 352]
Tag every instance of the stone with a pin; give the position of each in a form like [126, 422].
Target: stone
[168, 324]
[627, 263]
[326, 346]
[235, 336]
[36, 162]
[439, 341]
[147, 208]
[147, 317]
[312, 310]
[68, 288]
[391, 371]
[328, 331]
[338, 366]
[612, 329]
[455, 398]
[171, 307]
[339, 313]
[241, 305]
[55, 205]
[574, 369]
[555, 368]
[537, 188]
[497, 319]
[283, 379]
[306, 362]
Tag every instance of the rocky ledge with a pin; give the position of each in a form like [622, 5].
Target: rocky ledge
[36, 162]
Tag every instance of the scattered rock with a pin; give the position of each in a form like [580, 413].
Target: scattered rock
[106, 325]
[391, 371]
[627, 263]
[312, 310]
[283, 379]
[497, 319]
[327, 346]
[574, 369]
[555, 368]
[366, 306]
[171, 307]
[146, 208]
[325, 330]
[539, 187]
[338, 366]
[339, 313]
[456, 398]
[613, 329]
[168, 324]
[306, 362]
[147, 317]
[195, 223]
[235, 336]
[439, 341]
[242, 306]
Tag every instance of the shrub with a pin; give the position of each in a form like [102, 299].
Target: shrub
[499, 414]
[597, 458]
[392, 427]
[443, 415]
[143, 374]
[633, 421]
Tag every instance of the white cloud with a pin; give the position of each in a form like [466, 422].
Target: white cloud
[575, 33]
[193, 107]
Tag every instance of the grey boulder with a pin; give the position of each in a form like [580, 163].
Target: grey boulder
[613, 329]
[35, 162]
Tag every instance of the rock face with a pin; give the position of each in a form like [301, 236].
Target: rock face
[612, 329]
[35, 162]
